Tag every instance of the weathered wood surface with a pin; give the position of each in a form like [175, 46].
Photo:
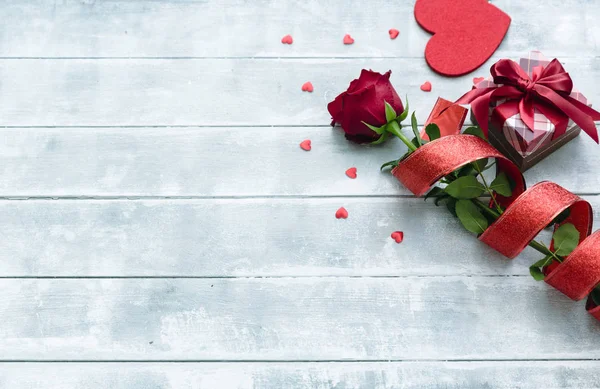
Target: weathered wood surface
[292, 319]
[237, 28]
[373, 375]
[207, 92]
[230, 162]
[244, 238]
[168, 132]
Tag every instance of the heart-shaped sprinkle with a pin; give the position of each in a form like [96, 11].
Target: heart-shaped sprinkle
[398, 236]
[307, 87]
[477, 80]
[348, 40]
[393, 33]
[426, 87]
[287, 40]
[351, 172]
[305, 145]
[341, 213]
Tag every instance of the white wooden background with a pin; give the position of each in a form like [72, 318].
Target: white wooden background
[162, 229]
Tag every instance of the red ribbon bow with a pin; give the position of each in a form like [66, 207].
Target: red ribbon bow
[547, 90]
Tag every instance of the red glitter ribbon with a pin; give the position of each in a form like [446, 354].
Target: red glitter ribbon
[527, 213]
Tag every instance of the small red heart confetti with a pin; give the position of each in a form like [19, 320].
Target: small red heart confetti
[426, 87]
[307, 87]
[393, 33]
[287, 40]
[348, 40]
[398, 236]
[305, 145]
[351, 172]
[341, 213]
[477, 80]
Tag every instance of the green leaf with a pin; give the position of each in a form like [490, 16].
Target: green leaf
[536, 269]
[536, 273]
[378, 130]
[566, 238]
[433, 131]
[381, 139]
[466, 187]
[501, 185]
[470, 216]
[561, 217]
[475, 130]
[390, 112]
[435, 192]
[444, 197]
[404, 113]
[415, 128]
[596, 296]
[416, 141]
[451, 205]
[393, 164]
[479, 165]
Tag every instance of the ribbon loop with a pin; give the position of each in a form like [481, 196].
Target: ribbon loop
[528, 213]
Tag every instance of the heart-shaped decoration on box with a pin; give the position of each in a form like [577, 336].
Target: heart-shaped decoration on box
[466, 33]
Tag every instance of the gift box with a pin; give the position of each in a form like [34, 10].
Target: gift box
[530, 109]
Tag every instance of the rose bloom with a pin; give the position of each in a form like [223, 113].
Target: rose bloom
[364, 101]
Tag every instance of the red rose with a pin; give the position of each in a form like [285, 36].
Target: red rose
[364, 101]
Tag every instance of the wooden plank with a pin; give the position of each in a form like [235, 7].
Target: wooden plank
[257, 237]
[72, 162]
[292, 319]
[237, 28]
[376, 375]
[225, 92]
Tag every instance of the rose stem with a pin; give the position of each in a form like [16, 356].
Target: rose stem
[394, 128]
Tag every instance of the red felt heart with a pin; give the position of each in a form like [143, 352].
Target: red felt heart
[341, 213]
[348, 39]
[393, 33]
[426, 87]
[307, 87]
[287, 40]
[477, 80]
[398, 236]
[466, 33]
[351, 172]
[305, 145]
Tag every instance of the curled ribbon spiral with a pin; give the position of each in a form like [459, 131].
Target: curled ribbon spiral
[528, 211]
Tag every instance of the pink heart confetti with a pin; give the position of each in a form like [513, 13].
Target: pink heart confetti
[307, 87]
[287, 40]
[305, 145]
[398, 236]
[426, 87]
[348, 40]
[351, 172]
[393, 33]
[341, 213]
